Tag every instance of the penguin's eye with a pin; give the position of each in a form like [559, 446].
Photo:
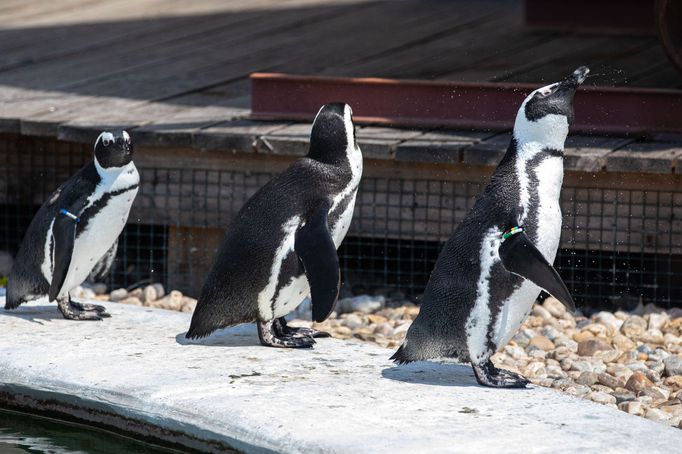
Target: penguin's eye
[106, 142]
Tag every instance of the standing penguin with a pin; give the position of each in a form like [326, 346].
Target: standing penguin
[75, 228]
[494, 266]
[282, 245]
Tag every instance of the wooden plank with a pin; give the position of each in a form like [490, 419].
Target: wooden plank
[237, 136]
[459, 46]
[588, 153]
[650, 157]
[438, 146]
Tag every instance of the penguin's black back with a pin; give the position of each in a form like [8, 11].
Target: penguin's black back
[26, 278]
[243, 263]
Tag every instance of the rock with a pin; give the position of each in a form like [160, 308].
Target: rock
[82, 293]
[588, 366]
[608, 319]
[582, 336]
[188, 304]
[364, 303]
[99, 288]
[638, 382]
[551, 333]
[673, 366]
[542, 343]
[343, 331]
[352, 321]
[149, 294]
[565, 341]
[601, 397]
[587, 378]
[634, 326]
[172, 301]
[620, 372]
[656, 415]
[515, 352]
[652, 336]
[623, 397]
[578, 390]
[535, 370]
[633, 407]
[132, 300]
[554, 307]
[160, 291]
[657, 321]
[610, 381]
[674, 382]
[622, 342]
[384, 329]
[608, 356]
[540, 311]
[589, 347]
[137, 293]
[118, 294]
[401, 329]
[554, 372]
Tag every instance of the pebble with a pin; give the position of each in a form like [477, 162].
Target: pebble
[638, 382]
[132, 300]
[601, 397]
[542, 342]
[365, 304]
[118, 294]
[673, 366]
[590, 347]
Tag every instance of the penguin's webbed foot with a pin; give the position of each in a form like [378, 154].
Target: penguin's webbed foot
[271, 335]
[72, 310]
[489, 375]
[306, 332]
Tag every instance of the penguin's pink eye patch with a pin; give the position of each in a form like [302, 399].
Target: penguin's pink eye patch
[548, 90]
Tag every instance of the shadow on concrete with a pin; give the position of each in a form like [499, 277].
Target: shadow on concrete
[436, 374]
[237, 336]
[35, 314]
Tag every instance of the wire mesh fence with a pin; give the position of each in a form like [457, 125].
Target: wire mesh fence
[619, 246]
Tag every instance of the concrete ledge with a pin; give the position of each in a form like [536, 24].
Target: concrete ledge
[135, 372]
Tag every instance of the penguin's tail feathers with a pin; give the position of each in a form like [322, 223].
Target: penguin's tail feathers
[198, 330]
[401, 356]
[13, 299]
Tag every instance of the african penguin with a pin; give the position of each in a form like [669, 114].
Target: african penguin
[281, 246]
[492, 269]
[75, 228]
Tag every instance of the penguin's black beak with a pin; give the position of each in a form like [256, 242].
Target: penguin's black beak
[576, 79]
[570, 84]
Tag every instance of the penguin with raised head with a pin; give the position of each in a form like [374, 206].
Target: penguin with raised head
[76, 228]
[281, 247]
[492, 269]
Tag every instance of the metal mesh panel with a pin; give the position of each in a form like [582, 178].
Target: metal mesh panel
[618, 247]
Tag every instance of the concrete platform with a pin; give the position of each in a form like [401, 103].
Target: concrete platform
[135, 372]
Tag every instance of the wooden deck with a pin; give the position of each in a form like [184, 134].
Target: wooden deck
[175, 73]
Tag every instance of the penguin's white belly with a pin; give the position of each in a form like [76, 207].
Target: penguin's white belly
[100, 233]
[517, 307]
[343, 224]
[291, 296]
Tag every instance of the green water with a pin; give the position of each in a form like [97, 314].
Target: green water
[21, 433]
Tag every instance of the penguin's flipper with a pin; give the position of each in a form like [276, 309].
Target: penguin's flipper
[316, 249]
[521, 257]
[64, 233]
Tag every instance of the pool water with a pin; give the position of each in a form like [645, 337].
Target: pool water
[21, 433]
